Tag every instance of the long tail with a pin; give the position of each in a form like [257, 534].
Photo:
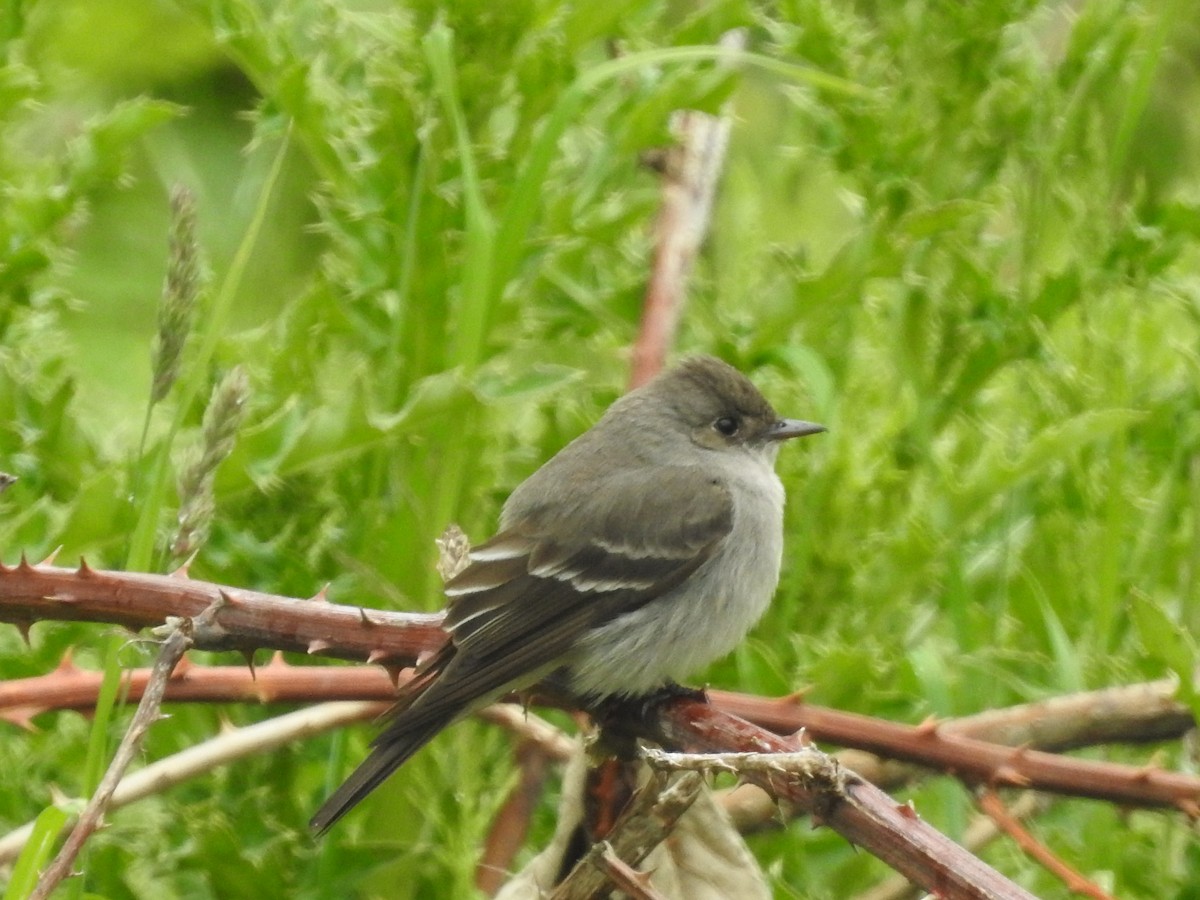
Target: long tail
[412, 723]
[392, 749]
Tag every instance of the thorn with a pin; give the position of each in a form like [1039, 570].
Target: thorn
[423, 658]
[781, 812]
[182, 571]
[227, 598]
[801, 737]
[49, 560]
[84, 570]
[377, 655]
[1146, 772]
[393, 674]
[797, 697]
[66, 665]
[1189, 807]
[365, 619]
[317, 646]
[1017, 757]
[23, 626]
[907, 811]
[249, 657]
[642, 879]
[277, 660]
[526, 698]
[320, 596]
[1009, 775]
[22, 717]
[928, 728]
[23, 565]
[614, 865]
[182, 668]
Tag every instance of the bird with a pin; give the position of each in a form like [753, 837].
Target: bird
[641, 552]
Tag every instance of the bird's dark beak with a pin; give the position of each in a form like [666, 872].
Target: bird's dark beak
[785, 429]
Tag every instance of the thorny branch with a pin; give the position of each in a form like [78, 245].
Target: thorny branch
[244, 619]
[854, 808]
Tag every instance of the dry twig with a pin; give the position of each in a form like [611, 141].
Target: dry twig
[147, 714]
[229, 746]
[644, 824]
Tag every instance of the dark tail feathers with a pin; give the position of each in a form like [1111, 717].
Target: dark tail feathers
[392, 750]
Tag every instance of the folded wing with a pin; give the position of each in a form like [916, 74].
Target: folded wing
[528, 594]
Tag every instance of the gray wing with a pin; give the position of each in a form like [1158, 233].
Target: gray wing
[516, 611]
[528, 593]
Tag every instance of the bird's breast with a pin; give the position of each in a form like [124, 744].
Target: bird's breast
[676, 635]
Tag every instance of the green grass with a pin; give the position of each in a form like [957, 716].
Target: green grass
[963, 236]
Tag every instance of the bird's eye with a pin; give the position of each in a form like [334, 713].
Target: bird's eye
[727, 425]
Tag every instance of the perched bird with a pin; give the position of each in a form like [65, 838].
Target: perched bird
[644, 550]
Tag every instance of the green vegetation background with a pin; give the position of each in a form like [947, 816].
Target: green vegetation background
[965, 236]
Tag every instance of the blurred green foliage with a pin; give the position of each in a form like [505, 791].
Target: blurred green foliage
[966, 239]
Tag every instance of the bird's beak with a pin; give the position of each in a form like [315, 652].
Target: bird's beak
[785, 429]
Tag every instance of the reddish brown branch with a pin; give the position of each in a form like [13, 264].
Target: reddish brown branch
[1137, 713]
[690, 171]
[1140, 713]
[986, 763]
[981, 832]
[854, 808]
[991, 804]
[506, 837]
[246, 620]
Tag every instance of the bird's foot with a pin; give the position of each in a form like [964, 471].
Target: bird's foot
[674, 691]
[622, 713]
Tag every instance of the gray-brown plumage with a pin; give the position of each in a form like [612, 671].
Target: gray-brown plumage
[642, 551]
